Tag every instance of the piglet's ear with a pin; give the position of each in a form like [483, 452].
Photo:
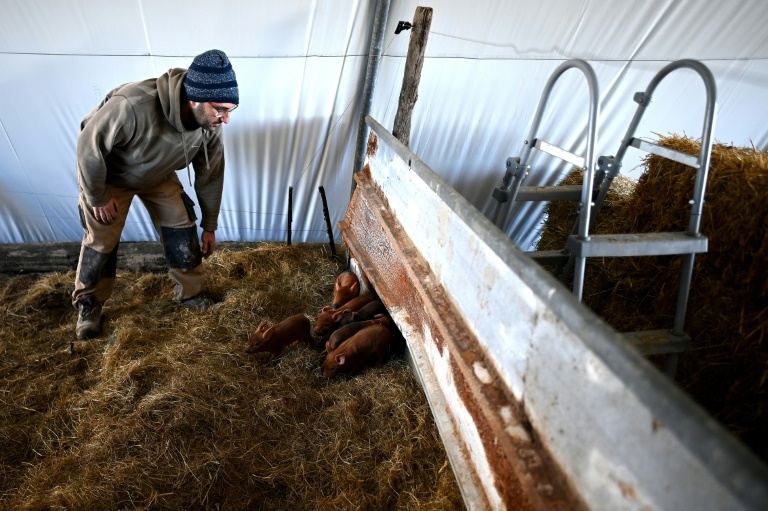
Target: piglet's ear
[327, 308]
[355, 288]
[268, 333]
[337, 315]
[262, 325]
[340, 359]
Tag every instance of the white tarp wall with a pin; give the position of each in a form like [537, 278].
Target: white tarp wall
[301, 66]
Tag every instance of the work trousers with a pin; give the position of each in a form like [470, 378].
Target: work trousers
[172, 213]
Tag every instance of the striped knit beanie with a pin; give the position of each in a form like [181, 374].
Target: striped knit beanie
[211, 78]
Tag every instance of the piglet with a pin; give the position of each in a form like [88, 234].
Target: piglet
[328, 319]
[366, 312]
[291, 330]
[369, 346]
[347, 287]
[345, 332]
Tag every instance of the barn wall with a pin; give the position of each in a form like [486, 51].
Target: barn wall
[301, 65]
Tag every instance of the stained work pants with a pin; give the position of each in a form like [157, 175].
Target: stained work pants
[172, 214]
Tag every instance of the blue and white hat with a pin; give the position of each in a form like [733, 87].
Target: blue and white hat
[211, 78]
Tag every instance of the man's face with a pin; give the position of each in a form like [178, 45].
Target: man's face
[210, 116]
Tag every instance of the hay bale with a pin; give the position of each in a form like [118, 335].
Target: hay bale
[727, 370]
[561, 216]
[166, 411]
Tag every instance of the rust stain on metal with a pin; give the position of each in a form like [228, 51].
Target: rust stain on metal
[373, 145]
[627, 491]
[525, 477]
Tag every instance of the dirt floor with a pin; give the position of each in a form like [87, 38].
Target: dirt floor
[166, 411]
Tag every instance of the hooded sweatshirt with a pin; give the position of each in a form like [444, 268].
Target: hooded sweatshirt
[135, 139]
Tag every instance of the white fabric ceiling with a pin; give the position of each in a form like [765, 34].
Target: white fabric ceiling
[301, 66]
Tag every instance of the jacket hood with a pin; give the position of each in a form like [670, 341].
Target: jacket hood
[169, 92]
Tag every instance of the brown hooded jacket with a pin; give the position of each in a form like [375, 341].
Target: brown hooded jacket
[135, 139]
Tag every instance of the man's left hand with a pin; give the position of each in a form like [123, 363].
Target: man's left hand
[209, 243]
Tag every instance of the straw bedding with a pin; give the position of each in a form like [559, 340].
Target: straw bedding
[166, 411]
[726, 371]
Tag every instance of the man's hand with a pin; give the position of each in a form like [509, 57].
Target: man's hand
[106, 214]
[209, 243]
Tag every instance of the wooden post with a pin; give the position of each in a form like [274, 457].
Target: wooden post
[414, 61]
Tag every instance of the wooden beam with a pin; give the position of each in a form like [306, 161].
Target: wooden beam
[414, 61]
[47, 257]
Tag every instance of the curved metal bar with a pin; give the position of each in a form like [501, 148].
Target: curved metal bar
[594, 109]
[644, 99]
[589, 160]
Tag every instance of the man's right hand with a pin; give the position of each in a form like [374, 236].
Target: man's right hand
[106, 214]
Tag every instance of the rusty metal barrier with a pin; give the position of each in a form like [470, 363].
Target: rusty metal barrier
[540, 404]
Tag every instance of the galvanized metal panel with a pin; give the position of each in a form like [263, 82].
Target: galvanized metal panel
[619, 433]
[482, 428]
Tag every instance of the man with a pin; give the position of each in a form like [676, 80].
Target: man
[132, 144]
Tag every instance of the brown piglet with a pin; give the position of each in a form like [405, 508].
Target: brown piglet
[345, 332]
[329, 317]
[274, 339]
[347, 287]
[369, 346]
[366, 312]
